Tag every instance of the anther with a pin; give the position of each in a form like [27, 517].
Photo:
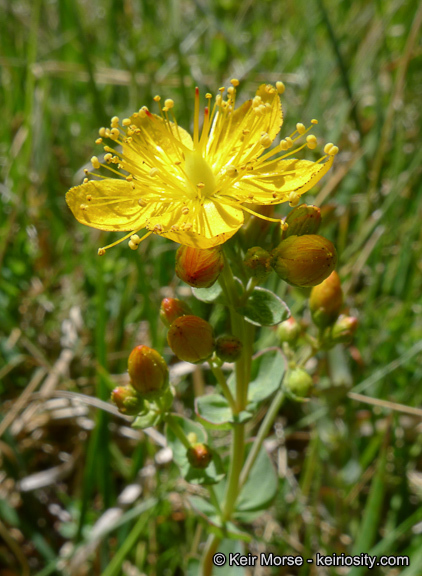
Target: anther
[234, 82]
[169, 103]
[86, 172]
[221, 89]
[153, 172]
[88, 198]
[102, 132]
[313, 121]
[293, 199]
[129, 178]
[289, 141]
[126, 122]
[114, 121]
[83, 207]
[231, 90]
[108, 157]
[280, 87]
[328, 147]
[311, 141]
[132, 245]
[200, 185]
[95, 163]
[284, 145]
[114, 133]
[265, 140]
[142, 202]
[300, 128]
[157, 98]
[185, 210]
[101, 251]
[98, 141]
[231, 171]
[86, 180]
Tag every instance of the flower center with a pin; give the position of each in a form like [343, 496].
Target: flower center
[199, 173]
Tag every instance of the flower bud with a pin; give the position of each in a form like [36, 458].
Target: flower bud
[199, 455]
[228, 348]
[191, 339]
[148, 372]
[127, 400]
[326, 301]
[289, 331]
[257, 262]
[304, 219]
[172, 308]
[298, 382]
[304, 260]
[344, 329]
[199, 268]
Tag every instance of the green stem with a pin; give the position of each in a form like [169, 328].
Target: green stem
[177, 430]
[262, 434]
[221, 379]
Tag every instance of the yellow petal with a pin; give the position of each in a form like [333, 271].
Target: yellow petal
[227, 137]
[157, 140]
[108, 204]
[204, 227]
[285, 177]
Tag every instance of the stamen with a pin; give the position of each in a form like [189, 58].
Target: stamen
[196, 119]
[102, 251]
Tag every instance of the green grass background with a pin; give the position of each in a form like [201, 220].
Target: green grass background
[354, 476]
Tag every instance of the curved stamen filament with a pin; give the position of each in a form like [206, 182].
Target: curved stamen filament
[101, 251]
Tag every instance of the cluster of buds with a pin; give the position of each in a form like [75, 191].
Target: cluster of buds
[304, 260]
[199, 268]
[149, 378]
[325, 303]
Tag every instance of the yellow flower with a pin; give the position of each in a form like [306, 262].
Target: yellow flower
[195, 191]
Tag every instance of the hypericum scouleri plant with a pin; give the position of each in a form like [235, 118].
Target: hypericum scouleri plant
[196, 192]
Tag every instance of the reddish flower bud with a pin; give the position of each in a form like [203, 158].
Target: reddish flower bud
[257, 261]
[199, 268]
[304, 260]
[326, 301]
[199, 455]
[228, 348]
[127, 400]
[191, 339]
[289, 331]
[298, 382]
[148, 372]
[304, 219]
[344, 329]
[171, 308]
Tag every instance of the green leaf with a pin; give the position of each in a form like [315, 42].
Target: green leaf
[215, 413]
[264, 308]
[207, 512]
[260, 488]
[270, 374]
[208, 294]
[214, 471]
[147, 420]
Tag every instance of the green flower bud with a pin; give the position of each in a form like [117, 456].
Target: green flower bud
[199, 455]
[228, 348]
[172, 308]
[289, 331]
[191, 339]
[127, 400]
[148, 372]
[298, 382]
[257, 261]
[304, 260]
[199, 268]
[304, 219]
[326, 301]
[344, 329]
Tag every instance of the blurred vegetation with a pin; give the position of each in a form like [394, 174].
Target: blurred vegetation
[350, 472]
